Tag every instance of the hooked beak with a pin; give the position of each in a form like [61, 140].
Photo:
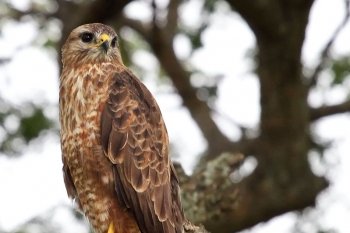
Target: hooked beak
[103, 42]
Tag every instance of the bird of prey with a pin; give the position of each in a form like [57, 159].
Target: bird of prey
[115, 147]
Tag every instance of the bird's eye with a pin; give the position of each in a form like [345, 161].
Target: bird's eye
[114, 42]
[87, 37]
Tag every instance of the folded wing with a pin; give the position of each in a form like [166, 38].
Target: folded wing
[135, 140]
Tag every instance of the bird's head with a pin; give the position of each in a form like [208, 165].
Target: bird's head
[91, 43]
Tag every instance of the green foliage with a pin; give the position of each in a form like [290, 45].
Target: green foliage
[126, 51]
[129, 43]
[341, 70]
[50, 43]
[20, 125]
[195, 37]
[210, 5]
[31, 126]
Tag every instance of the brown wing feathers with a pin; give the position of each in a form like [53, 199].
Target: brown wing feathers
[134, 138]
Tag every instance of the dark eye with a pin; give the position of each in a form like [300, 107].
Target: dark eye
[114, 42]
[87, 37]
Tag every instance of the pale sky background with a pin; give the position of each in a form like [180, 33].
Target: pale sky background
[33, 184]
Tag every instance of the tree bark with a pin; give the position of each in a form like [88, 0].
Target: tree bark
[283, 180]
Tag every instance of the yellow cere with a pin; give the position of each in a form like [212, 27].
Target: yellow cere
[104, 37]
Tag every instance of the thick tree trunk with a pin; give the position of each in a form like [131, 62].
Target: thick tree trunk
[283, 180]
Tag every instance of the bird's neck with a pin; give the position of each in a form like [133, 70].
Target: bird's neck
[81, 83]
[82, 91]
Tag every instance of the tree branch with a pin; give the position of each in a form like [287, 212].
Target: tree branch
[199, 110]
[191, 228]
[172, 17]
[261, 18]
[163, 49]
[268, 18]
[18, 14]
[213, 177]
[325, 54]
[143, 29]
[235, 207]
[317, 113]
